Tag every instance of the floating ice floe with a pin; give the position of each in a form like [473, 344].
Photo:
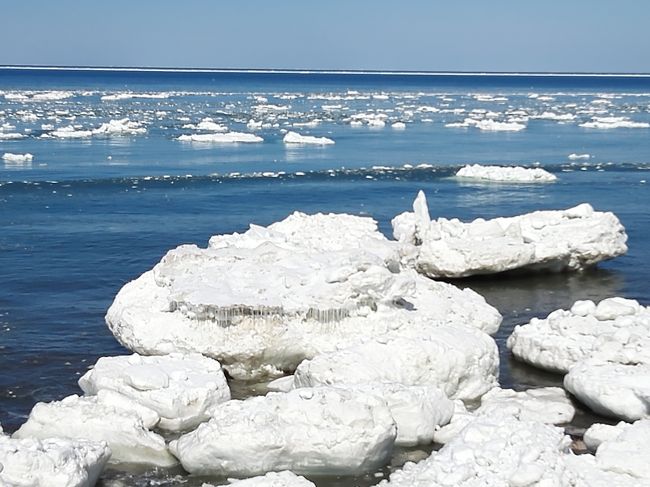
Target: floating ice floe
[109, 417]
[123, 126]
[272, 479]
[549, 241]
[490, 125]
[17, 158]
[614, 123]
[611, 388]
[505, 174]
[548, 405]
[180, 388]
[462, 362]
[11, 136]
[70, 132]
[133, 95]
[262, 301]
[222, 138]
[492, 452]
[308, 431]
[616, 330]
[296, 138]
[577, 157]
[399, 125]
[418, 411]
[51, 462]
[558, 117]
[621, 457]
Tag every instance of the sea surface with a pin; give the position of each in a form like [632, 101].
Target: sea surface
[95, 208]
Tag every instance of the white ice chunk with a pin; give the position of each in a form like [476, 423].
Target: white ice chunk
[565, 338]
[51, 462]
[180, 388]
[296, 138]
[462, 362]
[492, 452]
[571, 239]
[308, 431]
[222, 138]
[17, 158]
[618, 390]
[506, 174]
[109, 417]
[262, 301]
[273, 479]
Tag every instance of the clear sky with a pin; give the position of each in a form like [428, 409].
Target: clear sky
[460, 35]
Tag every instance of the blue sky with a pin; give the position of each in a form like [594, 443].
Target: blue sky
[461, 35]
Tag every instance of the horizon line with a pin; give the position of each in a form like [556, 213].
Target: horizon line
[162, 69]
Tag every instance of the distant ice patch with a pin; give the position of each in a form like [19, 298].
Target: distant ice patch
[296, 138]
[506, 174]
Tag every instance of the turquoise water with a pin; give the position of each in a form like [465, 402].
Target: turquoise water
[87, 215]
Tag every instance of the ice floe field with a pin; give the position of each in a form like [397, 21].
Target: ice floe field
[495, 313]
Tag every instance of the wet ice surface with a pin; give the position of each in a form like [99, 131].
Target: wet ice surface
[88, 214]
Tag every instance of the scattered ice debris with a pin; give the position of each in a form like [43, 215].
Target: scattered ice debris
[340, 282]
[614, 123]
[51, 462]
[11, 136]
[133, 95]
[308, 431]
[17, 158]
[492, 452]
[296, 138]
[222, 138]
[109, 417]
[462, 362]
[558, 117]
[505, 174]
[549, 241]
[616, 330]
[70, 132]
[180, 388]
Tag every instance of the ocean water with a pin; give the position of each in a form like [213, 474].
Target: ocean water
[87, 214]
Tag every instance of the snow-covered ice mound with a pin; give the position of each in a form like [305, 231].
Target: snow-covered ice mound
[614, 389]
[307, 431]
[273, 479]
[492, 452]
[462, 362]
[548, 405]
[295, 138]
[51, 462]
[571, 239]
[621, 457]
[109, 417]
[262, 301]
[180, 388]
[123, 126]
[616, 330]
[506, 174]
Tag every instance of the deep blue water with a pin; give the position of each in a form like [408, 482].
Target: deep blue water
[87, 215]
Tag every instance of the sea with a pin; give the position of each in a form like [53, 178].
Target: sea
[99, 203]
